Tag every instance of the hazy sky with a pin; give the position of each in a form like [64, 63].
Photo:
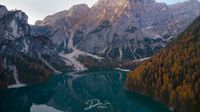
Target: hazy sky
[38, 9]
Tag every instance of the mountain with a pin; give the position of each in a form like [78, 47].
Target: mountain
[112, 33]
[24, 58]
[120, 29]
[172, 76]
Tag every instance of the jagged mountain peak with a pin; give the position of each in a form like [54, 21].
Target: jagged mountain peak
[78, 10]
[74, 11]
[3, 7]
[142, 1]
[13, 25]
[108, 2]
[113, 9]
[108, 10]
[186, 3]
[79, 7]
[3, 10]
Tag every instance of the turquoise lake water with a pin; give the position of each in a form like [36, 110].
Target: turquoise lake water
[89, 91]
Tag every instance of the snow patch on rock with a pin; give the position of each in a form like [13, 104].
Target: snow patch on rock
[15, 74]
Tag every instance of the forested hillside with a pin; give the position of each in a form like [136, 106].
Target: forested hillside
[29, 70]
[172, 76]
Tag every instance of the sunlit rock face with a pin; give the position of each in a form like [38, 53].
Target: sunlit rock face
[121, 29]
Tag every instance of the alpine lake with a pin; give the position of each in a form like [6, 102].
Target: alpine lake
[100, 90]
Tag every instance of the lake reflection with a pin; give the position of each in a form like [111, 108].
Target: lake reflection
[89, 91]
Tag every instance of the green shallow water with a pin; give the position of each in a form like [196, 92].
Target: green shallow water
[89, 91]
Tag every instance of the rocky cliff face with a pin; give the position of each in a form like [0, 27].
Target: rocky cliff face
[3, 10]
[62, 23]
[24, 58]
[122, 29]
[13, 26]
